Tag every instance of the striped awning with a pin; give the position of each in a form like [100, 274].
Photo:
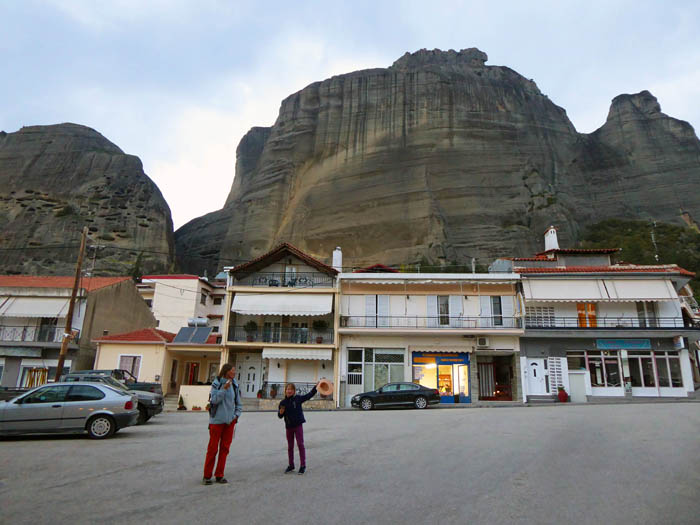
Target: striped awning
[282, 304]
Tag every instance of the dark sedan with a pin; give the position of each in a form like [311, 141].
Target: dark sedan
[397, 394]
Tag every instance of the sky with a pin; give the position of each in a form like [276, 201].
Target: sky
[178, 83]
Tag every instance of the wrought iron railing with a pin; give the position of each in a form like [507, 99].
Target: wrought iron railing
[439, 322]
[300, 336]
[36, 334]
[275, 390]
[283, 279]
[609, 323]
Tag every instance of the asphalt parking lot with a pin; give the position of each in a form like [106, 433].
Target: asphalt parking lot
[558, 464]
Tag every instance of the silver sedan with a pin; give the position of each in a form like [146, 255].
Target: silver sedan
[69, 407]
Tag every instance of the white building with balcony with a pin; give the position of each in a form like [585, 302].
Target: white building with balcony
[458, 333]
[600, 329]
[33, 313]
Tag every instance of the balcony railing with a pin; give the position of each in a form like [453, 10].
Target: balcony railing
[439, 322]
[270, 387]
[300, 336]
[35, 334]
[609, 323]
[282, 279]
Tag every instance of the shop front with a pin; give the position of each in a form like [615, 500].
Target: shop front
[447, 372]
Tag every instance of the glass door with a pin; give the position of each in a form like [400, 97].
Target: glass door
[446, 384]
[462, 374]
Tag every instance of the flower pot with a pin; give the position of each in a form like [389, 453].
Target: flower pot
[319, 340]
[273, 394]
[249, 338]
[562, 395]
[196, 408]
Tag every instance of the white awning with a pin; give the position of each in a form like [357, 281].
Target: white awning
[564, 290]
[640, 290]
[282, 304]
[321, 354]
[34, 306]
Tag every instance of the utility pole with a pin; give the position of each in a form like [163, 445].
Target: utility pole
[67, 331]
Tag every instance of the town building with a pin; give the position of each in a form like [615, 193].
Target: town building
[33, 313]
[282, 324]
[456, 332]
[598, 329]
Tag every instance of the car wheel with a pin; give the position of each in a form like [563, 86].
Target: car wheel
[421, 402]
[366, 403]
[143, 416]
[101, 427]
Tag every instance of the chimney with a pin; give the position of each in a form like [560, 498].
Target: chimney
[550, 239]
[338, 259]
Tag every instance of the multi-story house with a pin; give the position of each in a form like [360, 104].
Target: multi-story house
[176, 300]
[33, 320]
[458, 333]
[282, 323]
[600, 329]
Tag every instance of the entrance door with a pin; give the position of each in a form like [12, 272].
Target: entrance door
[446, 384]
[191, 373]
[248, 372]
[536, 385]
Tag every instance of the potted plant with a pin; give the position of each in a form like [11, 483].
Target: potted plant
[260, 392]
[319, 325]
[250, 328]
[273, 391]
[181, 404]
[196, 408]
[562, 395]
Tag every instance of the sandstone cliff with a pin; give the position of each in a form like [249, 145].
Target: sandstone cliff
[56, 179]
[441, 157]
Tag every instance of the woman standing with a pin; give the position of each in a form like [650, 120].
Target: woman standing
[225, 410]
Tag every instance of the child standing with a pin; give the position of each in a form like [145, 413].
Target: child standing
[290, 409]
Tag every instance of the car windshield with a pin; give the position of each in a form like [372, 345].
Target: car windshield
[114, 383]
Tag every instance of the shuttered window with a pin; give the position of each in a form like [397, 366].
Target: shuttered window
[130, 363]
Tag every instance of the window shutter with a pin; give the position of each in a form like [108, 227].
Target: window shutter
[507, 310]
[371, 311]
[455, 311]
[383, 310]
[432, 311]
[485, 311]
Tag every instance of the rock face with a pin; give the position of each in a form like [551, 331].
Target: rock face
[441, 157]
[56, 179]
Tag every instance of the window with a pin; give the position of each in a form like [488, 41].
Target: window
[586, 315]
[49, 394]
[641, 369]
[2, 367]
[539, 316]
[300, 333]
[377, 311]
[444, 309]
[603, 366]
[149, 303]
[646, 313]
[203, 299]
[408, 387]
[84, 393]
[669, 367]
[215, 329]
[496, 310]
[271, 332]
[130, 363]
[217, 301]
[382, 366]
[390, 388]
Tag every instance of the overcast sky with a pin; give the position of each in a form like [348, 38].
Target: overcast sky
[178, 83]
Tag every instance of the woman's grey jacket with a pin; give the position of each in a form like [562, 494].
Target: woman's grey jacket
[227, 401]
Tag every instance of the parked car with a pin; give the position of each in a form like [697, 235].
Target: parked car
[397, 394]
[149, 404]
[69, 408]
[127, 378]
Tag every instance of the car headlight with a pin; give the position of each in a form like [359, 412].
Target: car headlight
[355, 398]
[154, 401]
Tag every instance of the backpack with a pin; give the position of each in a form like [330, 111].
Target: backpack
[212, 408]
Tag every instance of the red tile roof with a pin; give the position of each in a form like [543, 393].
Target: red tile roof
[276, 254]
[667, 268]
[146, 335]
[35, 281]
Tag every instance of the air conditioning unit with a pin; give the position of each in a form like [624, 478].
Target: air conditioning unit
[482, 342]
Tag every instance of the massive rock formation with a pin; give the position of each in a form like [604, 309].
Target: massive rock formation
[441, 157]
[56, 179]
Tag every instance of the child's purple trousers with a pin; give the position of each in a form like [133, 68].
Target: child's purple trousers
[297, 432]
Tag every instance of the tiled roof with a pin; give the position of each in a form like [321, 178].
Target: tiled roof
[50, 281]
[276, 254]
[146, 335]
[667, 268]
[580, 251]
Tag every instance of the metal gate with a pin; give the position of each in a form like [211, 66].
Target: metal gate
[487, 383]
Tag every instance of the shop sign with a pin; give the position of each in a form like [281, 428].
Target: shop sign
[678, 343]
[623, 344]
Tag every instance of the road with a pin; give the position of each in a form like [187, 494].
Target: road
[557, 464]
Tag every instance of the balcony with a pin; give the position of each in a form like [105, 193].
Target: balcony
[431, 323]
[287, 280]
[609, 323]
[298, 336]
[33, 334]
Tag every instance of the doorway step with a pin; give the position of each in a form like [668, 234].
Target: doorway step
[170, 403]
[541, 399]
